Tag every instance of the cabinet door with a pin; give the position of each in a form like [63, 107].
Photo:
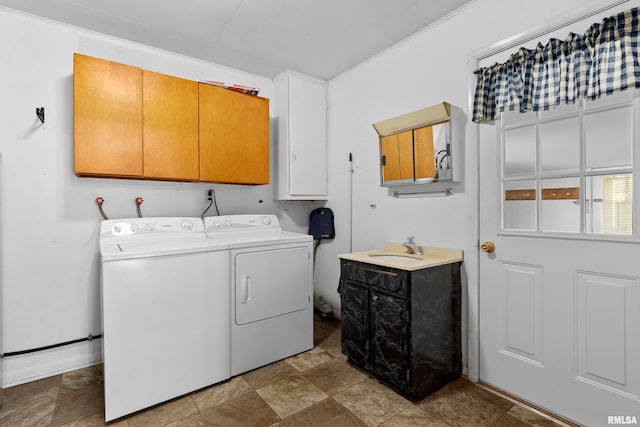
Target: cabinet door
[234, 137]
[425, 163]
[389, 316]
[307, 138]
[170, 131]
[397, 150]
[301, 157]
[355, 322]
[107, 110]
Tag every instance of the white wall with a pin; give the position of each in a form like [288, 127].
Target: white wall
[49, 286]
[430, 67]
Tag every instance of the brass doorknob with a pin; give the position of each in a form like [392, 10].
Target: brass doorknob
[488, 247]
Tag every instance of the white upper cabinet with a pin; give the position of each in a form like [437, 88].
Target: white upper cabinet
[301, 147]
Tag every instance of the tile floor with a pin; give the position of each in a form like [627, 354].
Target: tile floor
[316, 388]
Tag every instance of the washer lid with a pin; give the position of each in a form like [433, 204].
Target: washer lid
[116, 250]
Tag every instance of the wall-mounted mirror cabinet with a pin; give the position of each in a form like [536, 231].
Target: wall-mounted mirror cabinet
[420, 147]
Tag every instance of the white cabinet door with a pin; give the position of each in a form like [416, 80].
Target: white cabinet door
[302, 137]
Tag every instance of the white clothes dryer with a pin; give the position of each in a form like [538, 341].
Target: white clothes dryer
[165, 311]
[271, 284]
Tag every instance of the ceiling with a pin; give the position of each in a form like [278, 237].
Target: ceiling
[322, 38]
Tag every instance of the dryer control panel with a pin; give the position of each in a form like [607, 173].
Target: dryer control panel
[241, 223]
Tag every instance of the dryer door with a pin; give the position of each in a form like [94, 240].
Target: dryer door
[270, 283]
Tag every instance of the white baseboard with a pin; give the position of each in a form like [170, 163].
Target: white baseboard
[24, 368]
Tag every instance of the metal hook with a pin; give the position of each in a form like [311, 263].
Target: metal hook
[40, 114]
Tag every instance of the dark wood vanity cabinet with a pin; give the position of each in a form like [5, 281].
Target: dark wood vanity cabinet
[403, 327]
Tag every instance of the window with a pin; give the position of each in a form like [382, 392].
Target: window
[617, 200]
[571, 170]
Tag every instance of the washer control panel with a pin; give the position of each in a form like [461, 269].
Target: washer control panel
[151, 226]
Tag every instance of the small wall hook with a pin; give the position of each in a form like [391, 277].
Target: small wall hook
[40, 114]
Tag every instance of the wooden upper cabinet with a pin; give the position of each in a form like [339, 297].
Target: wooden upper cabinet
[107, 105]
[134, 123]
[397, 150]
[408, 155]
[234, 137]
[170, 127]
[425, 163]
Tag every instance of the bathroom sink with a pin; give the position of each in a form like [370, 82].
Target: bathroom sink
[399, 258]
[394, 255]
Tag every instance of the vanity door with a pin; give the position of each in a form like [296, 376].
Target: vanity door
[389, 320]
[355, 322]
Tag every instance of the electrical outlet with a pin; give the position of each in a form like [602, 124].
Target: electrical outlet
[209, 195]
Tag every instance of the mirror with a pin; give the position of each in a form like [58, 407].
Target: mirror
[416, 148]
[417, 155]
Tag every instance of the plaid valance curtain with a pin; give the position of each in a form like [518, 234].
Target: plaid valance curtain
[601, 61]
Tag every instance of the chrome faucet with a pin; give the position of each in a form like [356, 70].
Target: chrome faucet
[411, 246]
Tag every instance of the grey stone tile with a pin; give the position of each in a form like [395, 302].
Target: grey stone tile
[508, 421]
[269, 374]
[462, 403]
[326, 413]
[291, 395]
[30, 404]
[164, 414]
[81, 395]
[372, 401]
[413, 416]
[245, 410]
[309, 359]
[219, 393]
[335, 376]
[194, 420]
[531, 418]
[96, 420]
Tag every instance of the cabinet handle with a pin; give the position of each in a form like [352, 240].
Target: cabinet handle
[373, 270]
[375, 297]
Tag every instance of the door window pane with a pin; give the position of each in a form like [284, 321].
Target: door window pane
[511, 118]
[520, 151]
[610, 204]
[560, 205]
[561, 110]
[520, 205]
[608, 139]
[560, 146]
[609, 100]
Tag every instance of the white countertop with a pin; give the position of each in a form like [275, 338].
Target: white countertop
[395, 255]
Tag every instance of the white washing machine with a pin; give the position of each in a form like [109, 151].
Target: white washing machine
[165, 311]
[271, 282]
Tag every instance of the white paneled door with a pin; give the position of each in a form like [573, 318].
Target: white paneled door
[560, 303]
